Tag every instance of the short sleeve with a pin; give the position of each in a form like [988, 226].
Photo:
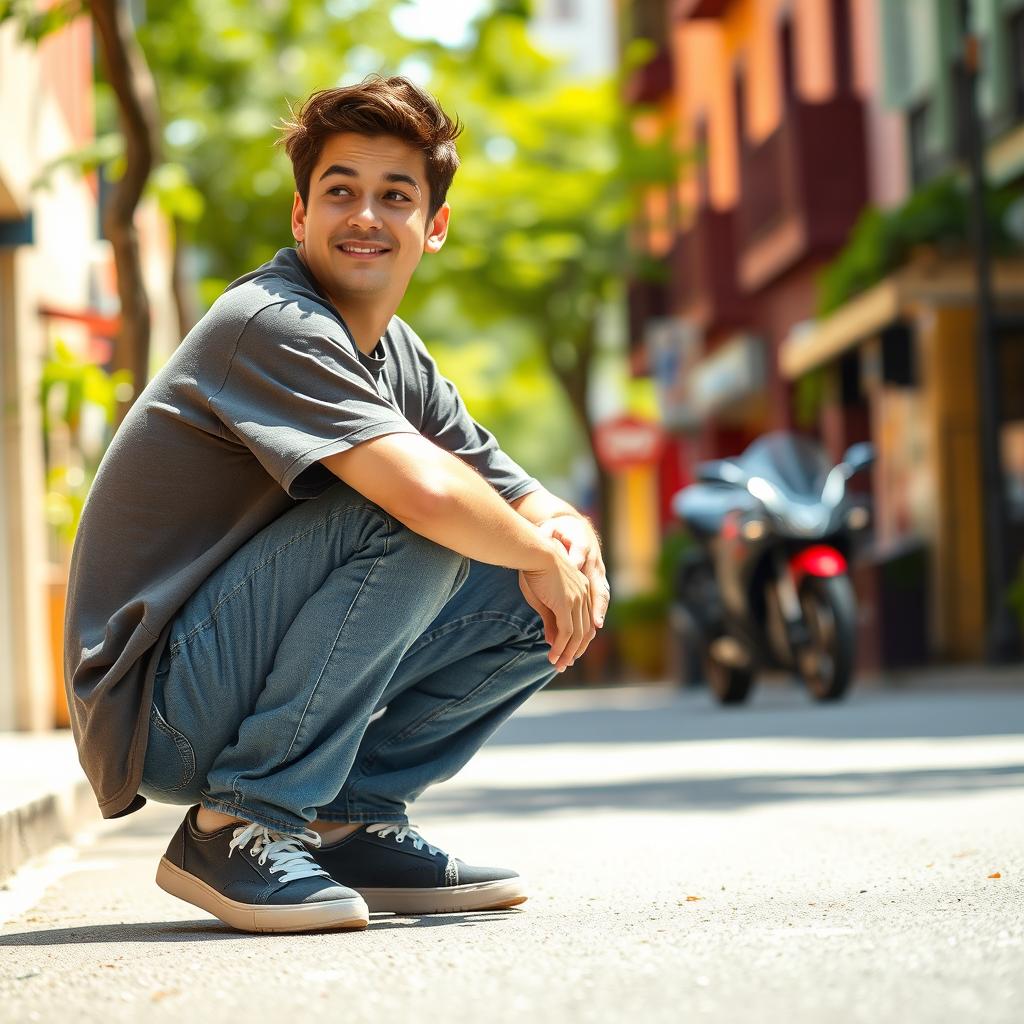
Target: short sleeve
[447, 422]
[295, 391]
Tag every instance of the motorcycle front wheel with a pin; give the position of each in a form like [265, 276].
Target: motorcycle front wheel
[830, 612]
[730, 684]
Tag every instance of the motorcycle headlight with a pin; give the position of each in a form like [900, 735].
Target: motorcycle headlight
[753, 529]
[858, 517]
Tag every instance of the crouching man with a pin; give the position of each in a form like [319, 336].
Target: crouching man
[307, 585]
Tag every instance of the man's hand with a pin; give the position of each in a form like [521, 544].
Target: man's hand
[580, 540]
[583, 548]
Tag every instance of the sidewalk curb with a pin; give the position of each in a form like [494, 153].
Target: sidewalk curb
[30, 829]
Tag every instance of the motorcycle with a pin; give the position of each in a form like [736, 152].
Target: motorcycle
[767, 584]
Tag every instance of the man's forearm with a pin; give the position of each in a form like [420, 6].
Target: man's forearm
[467, 515]
[541, 505]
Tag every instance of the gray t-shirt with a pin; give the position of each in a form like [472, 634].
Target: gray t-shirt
[224, 439]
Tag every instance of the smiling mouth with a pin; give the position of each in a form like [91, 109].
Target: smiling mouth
[362, 250]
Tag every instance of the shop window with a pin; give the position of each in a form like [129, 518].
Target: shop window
[917, 132]
[841, 45]
[739, 95]
[899, 367]
[850, 392]
[1011, 433]
[788, 61]
[960, 86]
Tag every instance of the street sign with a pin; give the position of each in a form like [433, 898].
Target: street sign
[628, 441]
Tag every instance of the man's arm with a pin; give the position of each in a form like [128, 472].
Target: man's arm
[437, 495]
[541, 505]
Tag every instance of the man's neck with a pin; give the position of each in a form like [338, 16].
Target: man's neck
[367, 321]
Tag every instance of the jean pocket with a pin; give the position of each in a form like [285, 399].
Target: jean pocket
[170, 759]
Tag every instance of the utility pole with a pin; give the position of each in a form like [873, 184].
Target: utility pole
[1002, 641]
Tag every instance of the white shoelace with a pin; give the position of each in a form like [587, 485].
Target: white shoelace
[286, 853]
[401, 833]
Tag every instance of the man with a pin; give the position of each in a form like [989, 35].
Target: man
[307, 584]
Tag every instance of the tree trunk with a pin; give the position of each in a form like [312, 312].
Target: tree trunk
[575, 381]
[181, 285]
[130, 78]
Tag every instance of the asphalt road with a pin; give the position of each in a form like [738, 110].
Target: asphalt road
[781, 862]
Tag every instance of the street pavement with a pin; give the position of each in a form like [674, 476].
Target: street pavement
[778, 862]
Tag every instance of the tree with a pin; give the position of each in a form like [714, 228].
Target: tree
[542, 204]
[537, 254]
[130, 78]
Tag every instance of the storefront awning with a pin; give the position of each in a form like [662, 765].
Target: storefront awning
[814, 343]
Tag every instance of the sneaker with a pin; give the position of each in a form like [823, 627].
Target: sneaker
[256, 879]
[395, 869]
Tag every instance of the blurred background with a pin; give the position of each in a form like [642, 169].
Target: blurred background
[679, 224]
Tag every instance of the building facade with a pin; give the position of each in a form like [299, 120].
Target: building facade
[798, 116]
[58, 301]
[48, 247]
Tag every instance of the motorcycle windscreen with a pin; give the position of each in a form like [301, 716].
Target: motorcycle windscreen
[797, 465]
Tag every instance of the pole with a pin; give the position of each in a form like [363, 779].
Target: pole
[1001, 640]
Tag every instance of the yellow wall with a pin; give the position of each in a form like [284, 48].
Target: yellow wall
[948, 362]
[635, 528]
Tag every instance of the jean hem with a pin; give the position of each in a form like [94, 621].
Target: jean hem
[363, 817]
[248, 814]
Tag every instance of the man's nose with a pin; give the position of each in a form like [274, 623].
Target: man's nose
[364, 215]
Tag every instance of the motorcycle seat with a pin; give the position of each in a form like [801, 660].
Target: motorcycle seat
[702, 507]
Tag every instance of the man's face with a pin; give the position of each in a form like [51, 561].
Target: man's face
[366, 223]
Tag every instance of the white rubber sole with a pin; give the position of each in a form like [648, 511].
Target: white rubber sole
[351, 913]
[498, 895]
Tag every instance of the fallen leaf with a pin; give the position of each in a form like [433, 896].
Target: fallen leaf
[163, 993]
[996, 875]
[930, 865]
[692, 899]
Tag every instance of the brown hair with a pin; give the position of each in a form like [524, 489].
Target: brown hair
[376, 106]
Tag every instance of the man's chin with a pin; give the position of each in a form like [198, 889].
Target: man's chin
[358, 284]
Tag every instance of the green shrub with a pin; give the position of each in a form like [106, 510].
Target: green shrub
[937, 214]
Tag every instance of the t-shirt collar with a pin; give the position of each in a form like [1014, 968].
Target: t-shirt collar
[377, 359]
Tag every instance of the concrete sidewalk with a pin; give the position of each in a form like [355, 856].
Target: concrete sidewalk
[44, 796]
[781, 862]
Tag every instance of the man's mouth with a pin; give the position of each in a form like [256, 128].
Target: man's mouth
[363, 250]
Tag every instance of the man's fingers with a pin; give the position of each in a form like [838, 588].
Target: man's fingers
[586, 629]
[563, 635]
[600, 595]
[547, 616]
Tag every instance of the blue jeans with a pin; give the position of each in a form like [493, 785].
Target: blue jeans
[333, 667]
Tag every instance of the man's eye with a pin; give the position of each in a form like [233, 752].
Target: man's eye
[338, 188]
[400, 195]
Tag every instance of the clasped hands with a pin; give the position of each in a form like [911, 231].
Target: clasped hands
[572, 601]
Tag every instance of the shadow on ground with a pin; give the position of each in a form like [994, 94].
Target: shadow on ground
[214, 931]
[665, 715]
[719, 794]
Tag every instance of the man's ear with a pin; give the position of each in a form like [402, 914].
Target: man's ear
[437, 232]
[298, 218]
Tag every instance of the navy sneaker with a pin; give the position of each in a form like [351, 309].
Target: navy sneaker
[256, 879]
[395, 869]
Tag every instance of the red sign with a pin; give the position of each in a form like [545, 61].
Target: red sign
[628, 441]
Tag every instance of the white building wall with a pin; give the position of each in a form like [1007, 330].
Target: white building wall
[582, 31]
[52, 270]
